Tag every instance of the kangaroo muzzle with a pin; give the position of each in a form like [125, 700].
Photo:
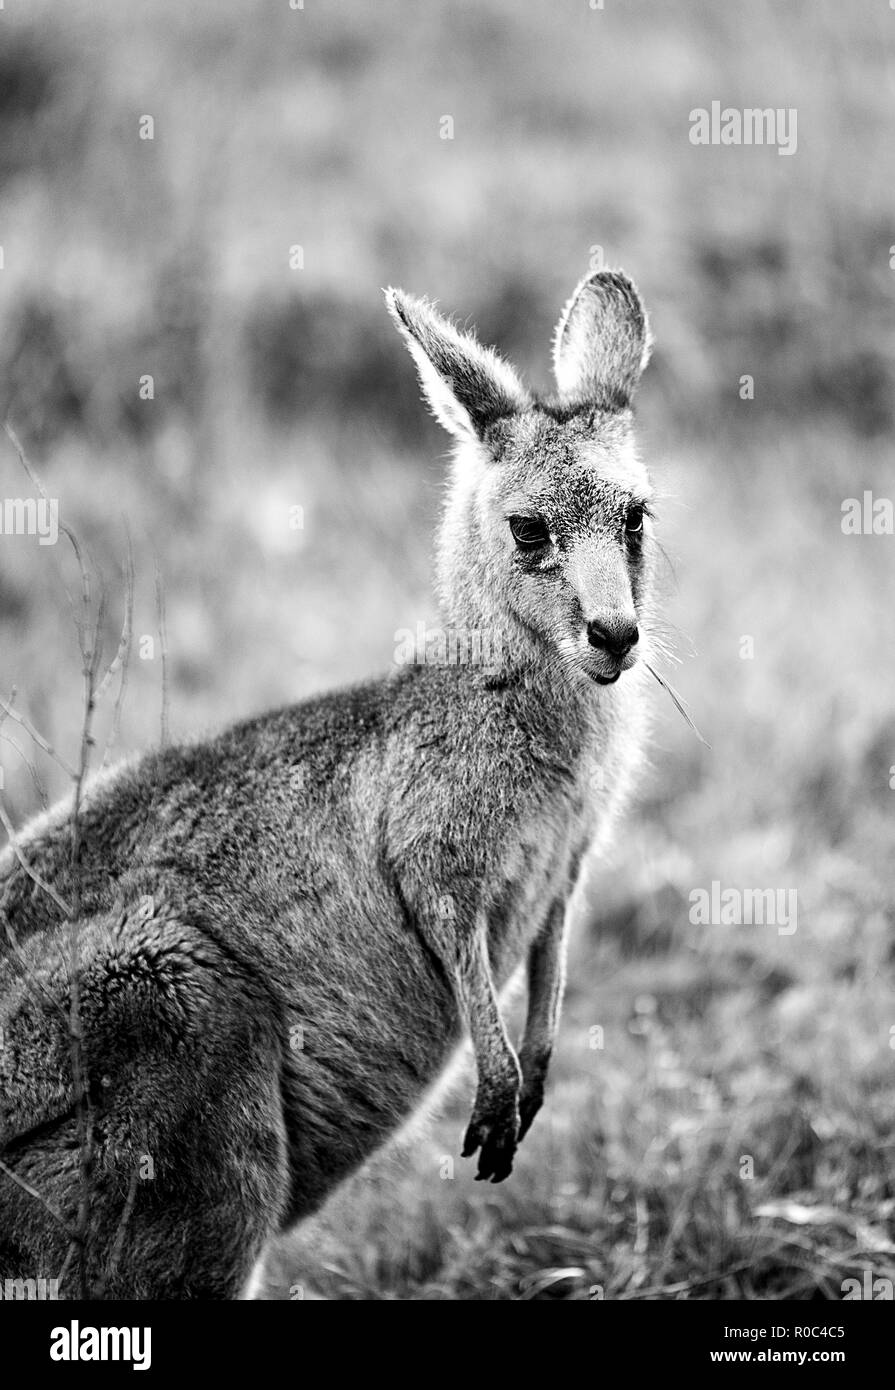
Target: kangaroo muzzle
[601, 581]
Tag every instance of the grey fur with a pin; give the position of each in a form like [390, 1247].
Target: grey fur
[286, 930]
[602, 341]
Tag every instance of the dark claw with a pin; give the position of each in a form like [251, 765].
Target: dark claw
[497, 1143]
[471, 1141]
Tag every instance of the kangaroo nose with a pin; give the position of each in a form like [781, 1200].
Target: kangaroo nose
[614, 634]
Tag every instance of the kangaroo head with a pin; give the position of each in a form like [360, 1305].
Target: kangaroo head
[547, 521]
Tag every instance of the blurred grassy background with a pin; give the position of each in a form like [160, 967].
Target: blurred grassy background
[278, 388]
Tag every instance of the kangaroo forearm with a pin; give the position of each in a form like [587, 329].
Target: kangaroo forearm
[546, 981]
[494, 1126]
[496, 1063]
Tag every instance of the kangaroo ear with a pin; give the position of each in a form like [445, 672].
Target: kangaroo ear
[466, 385]
[602, 342]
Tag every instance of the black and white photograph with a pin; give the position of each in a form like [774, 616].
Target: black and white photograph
[447, 678]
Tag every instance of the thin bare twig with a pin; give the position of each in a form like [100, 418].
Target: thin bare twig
[118, 1241]
[33, 1192]
[28, 979]
[70, 1253]
[30, 764]
[21, 719]
[163, 642]
[122, 656]
[91, 652]
[25, 462]
[29, 868]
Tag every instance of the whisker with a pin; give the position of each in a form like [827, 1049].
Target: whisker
[657, 642]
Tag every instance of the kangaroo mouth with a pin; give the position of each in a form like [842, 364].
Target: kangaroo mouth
[600, 667]
[609, 669]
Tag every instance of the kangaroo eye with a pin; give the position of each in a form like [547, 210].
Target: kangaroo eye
[634, 520]
[529, 532]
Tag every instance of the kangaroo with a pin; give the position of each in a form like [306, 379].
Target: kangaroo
[285, 931]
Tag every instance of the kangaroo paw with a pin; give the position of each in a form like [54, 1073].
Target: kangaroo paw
[495, 1135]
